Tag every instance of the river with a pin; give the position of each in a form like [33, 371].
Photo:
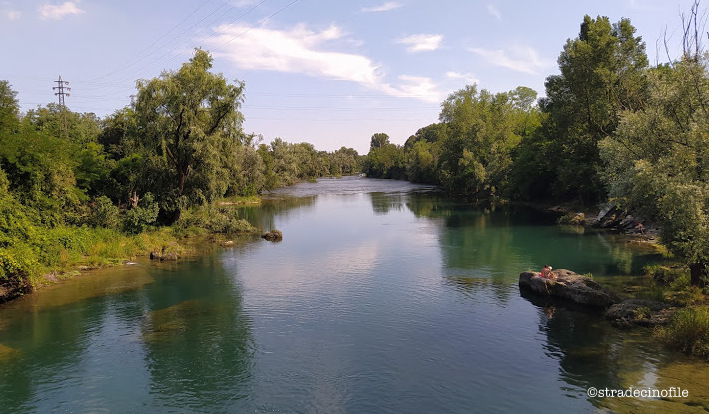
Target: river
[383, 297]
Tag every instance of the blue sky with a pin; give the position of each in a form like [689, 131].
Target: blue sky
[327, 72]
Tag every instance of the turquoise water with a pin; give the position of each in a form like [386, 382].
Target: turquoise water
[383, 297]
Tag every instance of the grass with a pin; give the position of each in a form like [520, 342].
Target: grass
[688, 331]
[56, 253]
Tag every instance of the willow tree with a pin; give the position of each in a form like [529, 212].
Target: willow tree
[189, 120]
[658, 160]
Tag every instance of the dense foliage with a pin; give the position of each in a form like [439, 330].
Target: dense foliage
[87, 192]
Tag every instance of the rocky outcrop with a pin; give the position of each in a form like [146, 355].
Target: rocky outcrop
[568, 286]
[273, 235]
[612, 217]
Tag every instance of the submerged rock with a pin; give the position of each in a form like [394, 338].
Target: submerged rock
[273, 235]
[568, 286]
[637, 312]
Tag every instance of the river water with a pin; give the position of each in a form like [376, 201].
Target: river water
[383, 297]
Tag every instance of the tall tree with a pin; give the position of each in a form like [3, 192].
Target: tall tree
[481, 130]
[601, 75]
[9, 107]
[190, 119]
[378, 140]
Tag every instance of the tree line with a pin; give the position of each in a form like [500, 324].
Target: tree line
[611, 128]
[66, 176]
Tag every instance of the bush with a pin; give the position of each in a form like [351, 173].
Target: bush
[688, 331]
[224, 220]
[141, 216]
[17, 265]
[104, 213]
[574, 219]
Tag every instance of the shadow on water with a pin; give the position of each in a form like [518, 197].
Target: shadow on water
[45, 335]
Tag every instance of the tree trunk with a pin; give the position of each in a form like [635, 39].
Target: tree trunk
[181, 182]
[133, 199]
[698, 274]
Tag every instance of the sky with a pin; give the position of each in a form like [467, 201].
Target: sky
[332, 73]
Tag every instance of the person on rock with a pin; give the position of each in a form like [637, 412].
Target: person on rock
[547, 273]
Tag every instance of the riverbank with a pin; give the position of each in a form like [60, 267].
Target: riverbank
[662, 299]
[60, 253]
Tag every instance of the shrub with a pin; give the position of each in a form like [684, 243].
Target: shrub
[575, 219]
[224, 220]
[141, 216]
[688, 331]
[104, 213]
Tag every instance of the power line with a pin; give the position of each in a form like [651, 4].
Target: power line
[260, 23]
[161, 37]
[204, 39]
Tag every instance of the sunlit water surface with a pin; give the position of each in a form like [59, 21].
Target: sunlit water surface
[383, 297]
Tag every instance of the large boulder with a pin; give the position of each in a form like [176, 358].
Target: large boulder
[568, 286]
[609, 217]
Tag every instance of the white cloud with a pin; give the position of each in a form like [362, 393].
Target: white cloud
[494, 11]
[54, 12]
[469, 78]
[421, 42]
[521, 59]
[390, 5]
[418, 87]
[298, 50]
[301, 50]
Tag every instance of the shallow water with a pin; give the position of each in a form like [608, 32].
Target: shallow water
[383, 297]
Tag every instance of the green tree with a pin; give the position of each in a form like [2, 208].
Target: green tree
[423, 151]
[378, 140]
[190, 121]
[481, 133]
[657, 162]
[602, 73]
[384, 160]
[9, 107]
[344, 161]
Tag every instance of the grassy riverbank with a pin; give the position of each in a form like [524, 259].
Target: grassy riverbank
[51, 254]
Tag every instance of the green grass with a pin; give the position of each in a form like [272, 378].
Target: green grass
[62, 250]
[688, 331]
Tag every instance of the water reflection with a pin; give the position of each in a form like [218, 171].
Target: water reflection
[266, 215]
[383, 203]
[197, 340]
[181, 342]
